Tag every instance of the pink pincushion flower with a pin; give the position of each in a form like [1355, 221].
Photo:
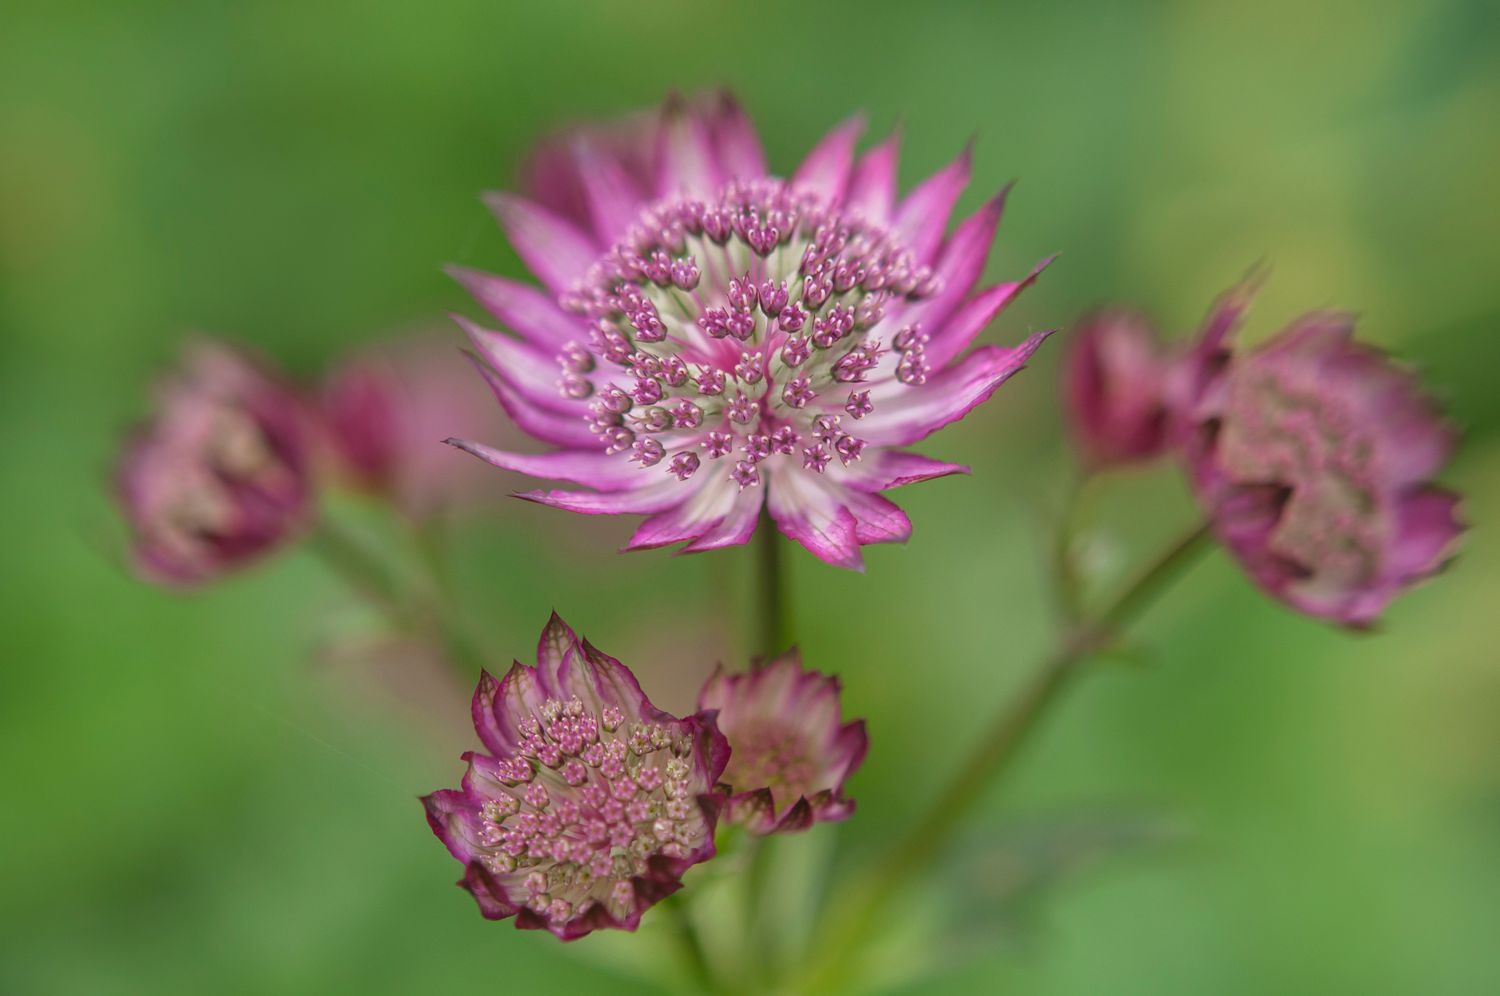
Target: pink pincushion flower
[220, 475]
[1115, 388]
[791, 752]
[1312, 455]
[714, 340]
[591, 802]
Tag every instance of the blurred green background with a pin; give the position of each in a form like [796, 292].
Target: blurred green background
[198, 801]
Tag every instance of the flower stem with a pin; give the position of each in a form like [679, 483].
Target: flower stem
[355, 566]
[694, 957]
[374, 580]
[995, 753]
[773, 617]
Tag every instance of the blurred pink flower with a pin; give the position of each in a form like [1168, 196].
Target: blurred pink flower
[220, 474]
[790, 750]
[1312, 455]
[594, 802]
[713, 340]
[387, 410]
[1115, 388]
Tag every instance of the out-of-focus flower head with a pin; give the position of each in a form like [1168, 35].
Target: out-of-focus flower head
[1312, 455]
[591, 802]
[714, 339]
[1115, 388]
[387, 410]
[220, 475]
[791, 752]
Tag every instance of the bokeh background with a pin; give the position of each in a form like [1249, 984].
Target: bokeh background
[203, 795]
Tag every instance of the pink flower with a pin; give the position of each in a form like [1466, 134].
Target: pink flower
[790, 750]
[591, 803]
[714, 339]
[220, 474]
[1115, 388]
[1312, 455]
[386, 411]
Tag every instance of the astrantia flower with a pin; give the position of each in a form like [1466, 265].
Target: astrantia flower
[1312, 455]
[220, 475]
[591, 803]
[714, 339]
[1115, 388]
[790, 750]
[387, 408]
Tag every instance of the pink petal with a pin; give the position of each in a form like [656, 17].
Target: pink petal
[496, 738]
[739, 151]
[532, 373]
[686, 163]
[825, 171]
[960, 263]
[905, 416]
[694, 516]
[878, 520]
[1427, 527]
[550, 427]
[553, 249]
[894, 468]
[641, 501]
[807, 512]
[923, 216]
[592, 468]
[522, 308]
[735, 528]
[613, 198]
[955, 334]
[872, 189]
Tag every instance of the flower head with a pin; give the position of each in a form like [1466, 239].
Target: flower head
[591, 802]
[1312, 454]
[387, 408]
[715, 339]
[220, 474]
[790, 750]
[1115, 388]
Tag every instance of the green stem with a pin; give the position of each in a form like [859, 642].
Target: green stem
[694, 956]
[443, 605]
[356, 567]
[1001, 745]
[774, 625]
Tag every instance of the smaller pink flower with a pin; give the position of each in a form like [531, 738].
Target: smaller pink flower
[1115, 388]
[386, 411]
[220, 475]
[591, 802]
[790, 750]
[1312, 455]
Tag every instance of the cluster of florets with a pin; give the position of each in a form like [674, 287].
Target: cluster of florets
[591, 803]
[1311, 454]
[740, 328]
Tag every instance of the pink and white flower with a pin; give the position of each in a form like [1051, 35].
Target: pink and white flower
[1312, 455]
[220, 475]
[790, 751]
[591, 802]
[713, 340]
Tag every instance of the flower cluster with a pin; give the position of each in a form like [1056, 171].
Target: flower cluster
[231, 464]
[592, 803]
[711, 342]
[1311, 454]
[221, 475]
[718, 339]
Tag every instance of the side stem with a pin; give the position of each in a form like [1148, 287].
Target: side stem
[995, 753]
